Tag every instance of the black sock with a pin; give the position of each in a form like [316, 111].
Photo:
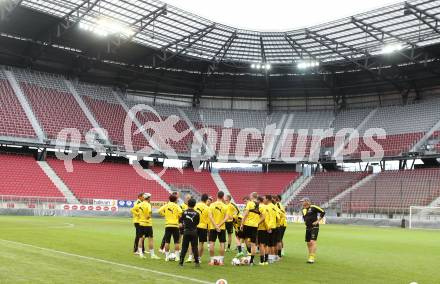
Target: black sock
[279, 253]
[266, 258]
[252, 259]
[248, 249]
[239, 249]
[229, 246]
[261, 258]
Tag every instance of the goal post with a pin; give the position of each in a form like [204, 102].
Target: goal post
[424, 217]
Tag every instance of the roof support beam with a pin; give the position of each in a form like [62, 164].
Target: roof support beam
[69, 20]
[217, 58]
[338, 44]
[7, 8]
[145, 21]
[366, 26]
[192, 38]
[327, 42]
[263, 52]
[423, 16]
[295, 45]
[188, 37]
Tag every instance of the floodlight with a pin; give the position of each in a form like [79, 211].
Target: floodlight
[105, 26]
[307, 64]
[390, 48]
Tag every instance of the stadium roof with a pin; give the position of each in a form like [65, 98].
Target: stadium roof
[409, 25]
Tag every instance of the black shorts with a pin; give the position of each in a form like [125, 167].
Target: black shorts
[281, 231]
[229, 227]
[250, 233]
[203, 235]
[273, 238]
[262, 237]
[171, 231]
[213, 235]
[136, 225]
[145, 231]
[312, 234]
[239, 234]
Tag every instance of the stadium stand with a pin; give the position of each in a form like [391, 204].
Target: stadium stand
[182, 145]
[13, 120]
[350, 118]
[404, 126]
[199, 182]
[56, 108]
[240, 120]
[53, 104]
[20, 175]
[395, 190]
[110, 114]
[241, 184]
[107, 180]
[326, 185]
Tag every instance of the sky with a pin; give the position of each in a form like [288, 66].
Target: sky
[277, 15]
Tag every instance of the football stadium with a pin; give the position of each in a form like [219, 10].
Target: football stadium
[164, 141]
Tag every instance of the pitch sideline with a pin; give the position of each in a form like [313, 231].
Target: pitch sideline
[108, 262]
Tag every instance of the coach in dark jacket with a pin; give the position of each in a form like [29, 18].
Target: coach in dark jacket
[189, 220]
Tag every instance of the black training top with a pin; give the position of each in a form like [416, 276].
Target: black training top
[310, 215]
[190, 219]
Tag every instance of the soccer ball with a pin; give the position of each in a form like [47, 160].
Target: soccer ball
[172, 256]
[245, 260]
[235, 262]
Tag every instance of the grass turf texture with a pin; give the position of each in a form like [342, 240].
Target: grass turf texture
[346, 254]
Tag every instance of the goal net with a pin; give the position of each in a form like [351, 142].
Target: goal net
[424, 217]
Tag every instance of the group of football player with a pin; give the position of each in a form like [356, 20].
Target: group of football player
[259, 228]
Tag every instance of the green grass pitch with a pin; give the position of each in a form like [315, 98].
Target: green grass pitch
[98, 250]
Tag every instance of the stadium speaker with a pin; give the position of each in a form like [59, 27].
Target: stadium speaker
[158, 163]
[144, 164]
[41, 156]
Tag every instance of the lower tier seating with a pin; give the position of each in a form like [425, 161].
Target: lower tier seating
[200, 182]
[395, 189]
[21, 176]
[325, 186]
[106, 180]
[241, 184]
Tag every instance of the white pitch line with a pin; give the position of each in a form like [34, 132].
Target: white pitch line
[66, 225]
[108, 262]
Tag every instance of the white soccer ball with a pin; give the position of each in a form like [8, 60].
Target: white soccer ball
[245, 260]
[172, 256]
[235, 262]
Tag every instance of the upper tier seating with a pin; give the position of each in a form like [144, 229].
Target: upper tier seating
[325, 186]
[350, 118]
[183, 144]
[241, 184]
[201, 182]
[243, 145]
[13, 119]
[21, 176]
[404, 126]
[395, 189]
[106, 180]
[110, 114]
[52, 103]
[56, 109]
